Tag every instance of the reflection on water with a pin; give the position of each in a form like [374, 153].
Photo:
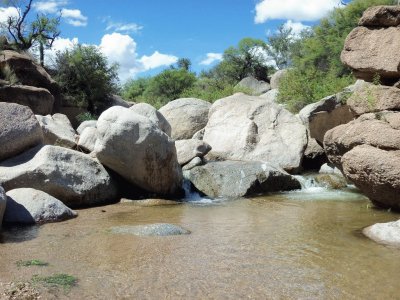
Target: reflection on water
[274, 247]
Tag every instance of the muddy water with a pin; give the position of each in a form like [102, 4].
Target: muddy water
[288, 246]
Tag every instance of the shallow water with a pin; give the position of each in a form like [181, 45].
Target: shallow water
[287, 246]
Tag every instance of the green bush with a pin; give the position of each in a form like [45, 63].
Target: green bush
[84, 75]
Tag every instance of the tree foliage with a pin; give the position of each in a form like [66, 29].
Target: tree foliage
[84, 75]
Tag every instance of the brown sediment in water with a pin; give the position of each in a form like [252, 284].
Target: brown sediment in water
[260, 248]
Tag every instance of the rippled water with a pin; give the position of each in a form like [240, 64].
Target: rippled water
[295, 245]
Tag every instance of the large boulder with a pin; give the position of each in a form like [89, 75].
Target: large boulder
[19, 130]
[242, 127]
[153, 115]
[3, 202]
[28, 72]
[186, 116]
[28, 206]
[85, 124]
[189, 149]
[371, 129]
[239, 178]
[135, 148]
[277, 77]
[87, 139]
[384, 233]
[74, 178]
[381, 16]
[376, 173]
[57, 130]
[39, 100]
[368, 97]
[271, 95]
[373, 51]
[254, 86]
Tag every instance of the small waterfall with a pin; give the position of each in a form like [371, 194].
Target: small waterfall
[308, 182]
[192, 196]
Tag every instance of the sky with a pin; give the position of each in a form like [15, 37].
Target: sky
[146, 36]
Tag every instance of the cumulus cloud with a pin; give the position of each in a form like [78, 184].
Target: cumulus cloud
[305, 10]
[59, 45]
[121, 49]
[6, 12]
[74, 17]
[296, 27]
[211, 58]
[51, 7]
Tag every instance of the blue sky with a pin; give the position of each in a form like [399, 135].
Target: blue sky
[145, 36]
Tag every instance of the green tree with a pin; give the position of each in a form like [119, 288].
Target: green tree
[184, 63]
[133, 89]
[279, 47]
[84, 75]
[23, 35]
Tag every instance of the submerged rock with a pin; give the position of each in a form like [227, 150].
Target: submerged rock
[74, 178]
[384, 233]
[150, 202]
[331, 181]
[159, 229]
[239, 178]
[29, 206]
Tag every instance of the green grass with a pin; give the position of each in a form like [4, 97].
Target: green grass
[64, 281]
[32, 262]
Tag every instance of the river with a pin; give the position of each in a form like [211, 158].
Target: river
[296, 245]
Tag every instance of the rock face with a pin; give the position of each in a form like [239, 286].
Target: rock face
[57, 130]
[29, 206]
[381, 16]
[267, 132]
[3, 202]
[368, 97]
[153, 115]
[186, 116]
[39, 100]
[277, 77]
[87, 140]
[370, 129]
[30, 73]
[70, 176]
[255, 86]
[19, 130]
[189, 149]
[384, 233]
[376, 173]
[238, 178]
[375, 49]
[85, 124]
[135, 148]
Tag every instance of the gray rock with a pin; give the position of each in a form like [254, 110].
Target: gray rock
[19, 130]
[186, 116]
[239, 178]
[70, 176]
[271, 95]
[255, 86]
[242, 127]
[277, 77]
[85, 124]
[160, 229]
[39, 100]
[153, 115]
[187, 150]
[57, 130]
[87, 139]
[384, 233]
[3, 202]
[199, 135]
[29, 206]
[330, 169]
[197, 161]
[138, 150]
[116, 100]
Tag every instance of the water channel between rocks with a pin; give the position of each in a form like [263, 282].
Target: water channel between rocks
[298, 245]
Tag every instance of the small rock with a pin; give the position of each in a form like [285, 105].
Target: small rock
[384, 233]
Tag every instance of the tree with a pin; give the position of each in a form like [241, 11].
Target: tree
[184, 63]
[42, 31]
[84, 75]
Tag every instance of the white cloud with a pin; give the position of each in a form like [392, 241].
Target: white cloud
[157, 60]
[296, 27]
[305, 10]
[74, 17]
[59, 45]
[52, 6]
[211, 58]
[121, 49]
[6, 12]
[124, 27]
